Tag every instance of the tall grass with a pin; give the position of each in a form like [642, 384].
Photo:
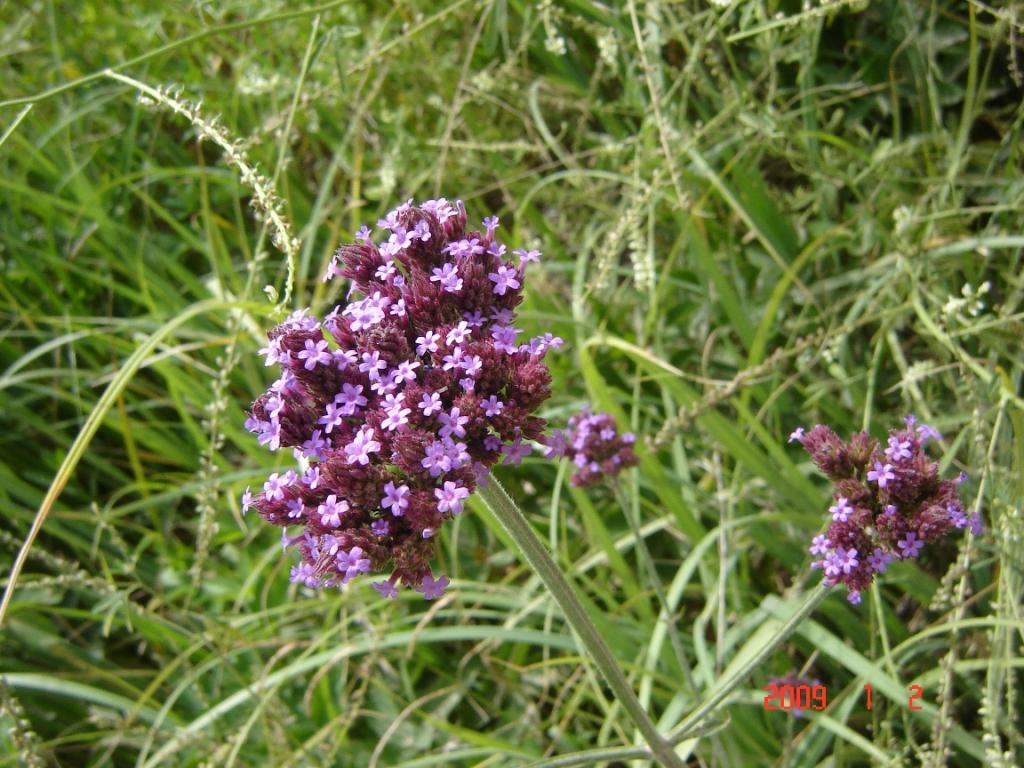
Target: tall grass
[754, 216]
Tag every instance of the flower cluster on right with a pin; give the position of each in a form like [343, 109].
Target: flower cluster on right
[889, 502]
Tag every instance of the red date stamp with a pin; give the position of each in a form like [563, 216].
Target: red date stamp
[798, 698]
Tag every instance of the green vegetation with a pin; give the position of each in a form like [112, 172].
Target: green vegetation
[753, 217]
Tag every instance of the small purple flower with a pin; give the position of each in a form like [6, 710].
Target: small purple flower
[395, 498]
[274, 487]
[926, 433]
[315, 353]
[430, 403]
[372, 364]
[427, 343]
[396, 414]
[879, 560]
[453, 423]
[331, 511]
[473, 365]
[405, 372]
[435, 459]
[820, 545]
[448, 277]
[383, 386]
[421, 231]
[305, 574]
[910, 545]
[841, 510]
[881, 474]
[274, 353]
[465, 248]
[491, 224]
[295, 508]
[363, 234]
[246, 500]
[796, 435]
[333, 418]
[503, 279]
[314, 449]
[385, 589]
[849, 559]
[453, 361]
[854, 596]
[957, 516]
[833, 563]
[450, 498]
[515, 452]
[457, 454]
[458, 334]
[505, 337]
[350, 564]
[432, 588]
[898, 449]
[350, 398]
[526, 256]
[359, 450]
[380, 527]
[492, 406]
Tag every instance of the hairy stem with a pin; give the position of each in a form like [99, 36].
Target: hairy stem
[513, 520]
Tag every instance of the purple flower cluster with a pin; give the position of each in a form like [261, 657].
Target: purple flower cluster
[396, 405]
[889, 502]
[595, 446]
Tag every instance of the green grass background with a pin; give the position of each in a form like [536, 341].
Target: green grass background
[753, 217]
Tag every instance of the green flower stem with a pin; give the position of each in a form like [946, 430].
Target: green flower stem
[513, 520]
[812, 601]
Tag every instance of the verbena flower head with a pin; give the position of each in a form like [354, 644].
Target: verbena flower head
[595, 446]
[397, 403]
[889, 502]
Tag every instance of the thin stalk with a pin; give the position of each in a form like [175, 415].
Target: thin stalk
[513, 520]
[812, 601]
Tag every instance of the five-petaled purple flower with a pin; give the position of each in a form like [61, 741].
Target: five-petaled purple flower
[401, 399]
[881, 474]
[432, 588]
[450, 498]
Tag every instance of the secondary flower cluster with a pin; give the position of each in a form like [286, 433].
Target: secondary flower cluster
[399, 401]
[595, 446]
[889, 502]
